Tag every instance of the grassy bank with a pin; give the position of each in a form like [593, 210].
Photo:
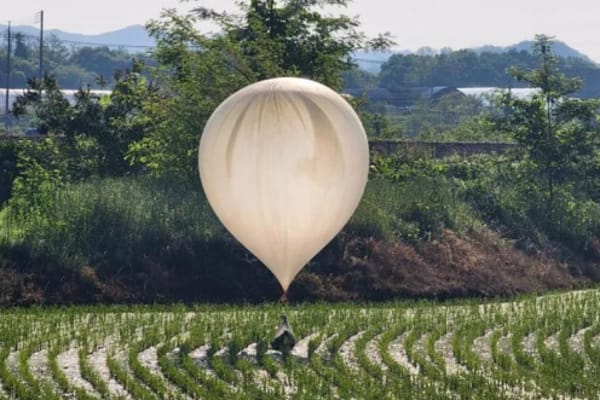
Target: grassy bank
[424, 228]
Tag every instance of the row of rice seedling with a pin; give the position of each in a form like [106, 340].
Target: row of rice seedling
[545, 347]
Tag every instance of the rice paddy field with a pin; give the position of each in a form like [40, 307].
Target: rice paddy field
[529, 348]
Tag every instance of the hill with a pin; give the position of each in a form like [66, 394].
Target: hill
[561, 49]
[371, 61]
[133, 38]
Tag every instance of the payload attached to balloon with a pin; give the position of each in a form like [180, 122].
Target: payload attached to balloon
[284, 164]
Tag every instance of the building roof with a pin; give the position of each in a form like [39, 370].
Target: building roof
[68, 93]
[520, 93]
[403, 96]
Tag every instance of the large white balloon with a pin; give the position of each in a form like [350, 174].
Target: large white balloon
[284, 163]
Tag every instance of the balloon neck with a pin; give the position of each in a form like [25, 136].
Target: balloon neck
[283, 299]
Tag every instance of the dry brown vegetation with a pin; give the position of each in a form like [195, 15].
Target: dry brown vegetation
[482, 264]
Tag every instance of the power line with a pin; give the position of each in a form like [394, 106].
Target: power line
[84, 43]
[148, 47]
[366, 60]
[142, 46]
[137, 46]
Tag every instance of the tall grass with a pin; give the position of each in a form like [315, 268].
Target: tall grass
[120, 220]
[115, 219]
[8, 226]
[415, 210]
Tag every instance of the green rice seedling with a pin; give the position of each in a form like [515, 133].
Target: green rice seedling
[61, 379]
[527, 343]
[88, 373]
[136, 389]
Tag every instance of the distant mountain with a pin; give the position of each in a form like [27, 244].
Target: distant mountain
[371, 61]
[133, 38]
[559, 48]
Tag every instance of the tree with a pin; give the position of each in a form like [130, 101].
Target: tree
[48, 104]
[100, 60]
[21, 49]
[402, 71]
[55, 52]
[95, 132]
[358, 78]
[430, 119]
[466, 68]
[266, 39]
[559, 134]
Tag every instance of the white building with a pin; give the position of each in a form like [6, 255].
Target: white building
[14, 93]
[486, 93]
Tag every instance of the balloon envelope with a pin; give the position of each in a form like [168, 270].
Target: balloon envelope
[284, 163]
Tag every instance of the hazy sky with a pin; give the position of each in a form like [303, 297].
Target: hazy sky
[415, 23]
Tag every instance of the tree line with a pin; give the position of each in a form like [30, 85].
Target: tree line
[465, 68]
[73, 67]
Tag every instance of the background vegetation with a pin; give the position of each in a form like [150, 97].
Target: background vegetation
[107, 205]
[72, 66]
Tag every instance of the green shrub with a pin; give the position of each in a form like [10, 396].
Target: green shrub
[8, 168]
[421, 196]
[115, 220]
[417, 198]
[509, 198]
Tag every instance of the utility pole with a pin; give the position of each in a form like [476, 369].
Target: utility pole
[6, 103]
[41, 16]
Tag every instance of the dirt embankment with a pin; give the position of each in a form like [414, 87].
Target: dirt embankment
[480, 264]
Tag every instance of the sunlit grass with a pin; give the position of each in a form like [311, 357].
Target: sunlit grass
[117, 220]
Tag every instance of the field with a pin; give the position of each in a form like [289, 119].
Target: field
[529, 348]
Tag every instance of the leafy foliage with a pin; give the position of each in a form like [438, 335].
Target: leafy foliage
[8, 168]
[466, 68]
[73, 67]
[88, 222]
[265, 40]
[560, 136]
[94, 132]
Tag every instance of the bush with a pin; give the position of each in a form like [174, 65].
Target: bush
[115, 220]
[415, 209]
[8, 168]
[510, 200]
[421, 196]
[144, 238]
